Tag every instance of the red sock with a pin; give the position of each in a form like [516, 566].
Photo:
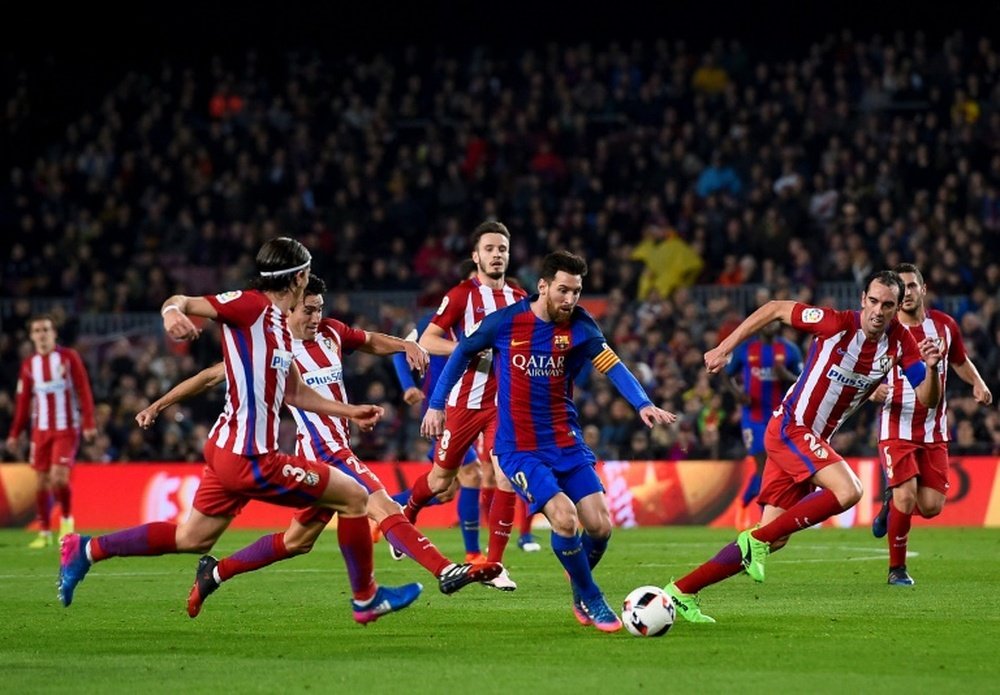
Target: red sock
[524, 519]
[501, 522]
[811, 509]
[420, 495]
[486, 503]
[404, 536]
[43, 503]
[356, 546]
[65, 499]
[156, 538]
[725, 564]
[261, 553]
[898, 535]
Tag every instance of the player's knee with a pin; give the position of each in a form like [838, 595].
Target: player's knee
[929, 510]
[439, 482]
[470, 476]
[904, 500]
[299, 545]
[355, 501]
[599, 528]
[849, 493]
[381, 506]
[564, 522]
[188, 543]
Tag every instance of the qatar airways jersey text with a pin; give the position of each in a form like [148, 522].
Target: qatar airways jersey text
[461, 310]
[902, 415]
[53, 393]
[842, 368]
[321, 363]
[257, 350]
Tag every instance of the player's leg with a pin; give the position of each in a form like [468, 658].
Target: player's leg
[64, 456]
[469, 481]
[43, 510]
[461, 428]
[487, 486]
[501, 520]
[526, 540]
[753, 439]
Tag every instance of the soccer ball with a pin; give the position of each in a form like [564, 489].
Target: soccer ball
[648, 612]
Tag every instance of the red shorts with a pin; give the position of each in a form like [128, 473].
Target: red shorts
[904, 459]
[345, 461]
[794, 455]
[462, 428]
[230, 480]
[53, 448]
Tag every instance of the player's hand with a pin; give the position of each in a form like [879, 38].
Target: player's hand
[413, 395]
[982, 394]
[146, 417]
[653, 416]
[11, 444]
[367, 416]
[179, 327]
[90, 434]
[880, 394]
[930, 352]
[432, 424]
[416, 356]
[715, 360]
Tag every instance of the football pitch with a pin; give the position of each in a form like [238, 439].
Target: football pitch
[825, 621]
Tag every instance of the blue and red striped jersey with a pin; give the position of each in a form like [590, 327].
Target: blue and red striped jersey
[535, 363]
[755, 361]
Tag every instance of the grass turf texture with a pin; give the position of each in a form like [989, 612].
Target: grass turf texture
[825, 621]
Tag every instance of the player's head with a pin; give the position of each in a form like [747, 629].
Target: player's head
[771, 329]
[305, 316]
[561, 283]
[880, 301]
[282, 266]
[467, 268]
[42, 331]
[914, 288]
[491, 249]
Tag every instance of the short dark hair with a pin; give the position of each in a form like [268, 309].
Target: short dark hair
[314, 286]
[277, 262]
[564, 261]
[910, 268]
[488, 227]
[889, 278]
[35, 318]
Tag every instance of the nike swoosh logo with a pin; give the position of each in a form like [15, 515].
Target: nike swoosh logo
[900, 538]
[515, 343]
[509, 523]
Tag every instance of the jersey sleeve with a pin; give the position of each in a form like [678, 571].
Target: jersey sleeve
[22, 402]
[821, 321]
[608, 363]
[350, 338]
[452, 307]
[956, 349]
[81, 383]
[238, 308]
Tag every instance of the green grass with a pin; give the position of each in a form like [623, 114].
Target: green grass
[825, 621]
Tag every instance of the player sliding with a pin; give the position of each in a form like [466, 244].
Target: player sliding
[852, 352]
[540, 345]
[318, 349]
[241, 454]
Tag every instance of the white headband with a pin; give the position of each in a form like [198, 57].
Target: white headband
[272, 273]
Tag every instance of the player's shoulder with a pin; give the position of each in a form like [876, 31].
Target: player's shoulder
[332, 325]
[942, 319]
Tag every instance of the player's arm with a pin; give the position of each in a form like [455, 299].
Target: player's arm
[178, 308]
[190, 387]
[404, 375]
[381, 344]
[481, 339]
[22, 407]
[968, 373]
[298, 395]
[922, 373]
[608, 363]
[716, 358]
[435, 340]
[81, 383]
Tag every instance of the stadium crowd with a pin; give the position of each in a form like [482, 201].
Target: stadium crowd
[665, 165]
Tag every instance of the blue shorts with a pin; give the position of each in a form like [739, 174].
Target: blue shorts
[540, 475]
[753, 436]
[470, 456]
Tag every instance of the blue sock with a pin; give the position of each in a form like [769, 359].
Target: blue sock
[402, 498]
[753, 488]
[574, 560]
[468, 517]
[594, 548]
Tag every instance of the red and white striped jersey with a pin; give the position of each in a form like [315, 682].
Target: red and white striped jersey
[321, 363]
[257, 350]
[902, 415]
[461, 310]
[842, 368]
[53, 393]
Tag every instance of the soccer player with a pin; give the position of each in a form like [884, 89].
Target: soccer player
[913, 439]
[241, 454]
[318, 349]
[540, 344]
[764, 363]
[472, 409]
[53, 393]
[851, 352]
[472, 472]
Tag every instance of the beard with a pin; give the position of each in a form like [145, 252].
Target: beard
[556, 313]
[492, 274]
